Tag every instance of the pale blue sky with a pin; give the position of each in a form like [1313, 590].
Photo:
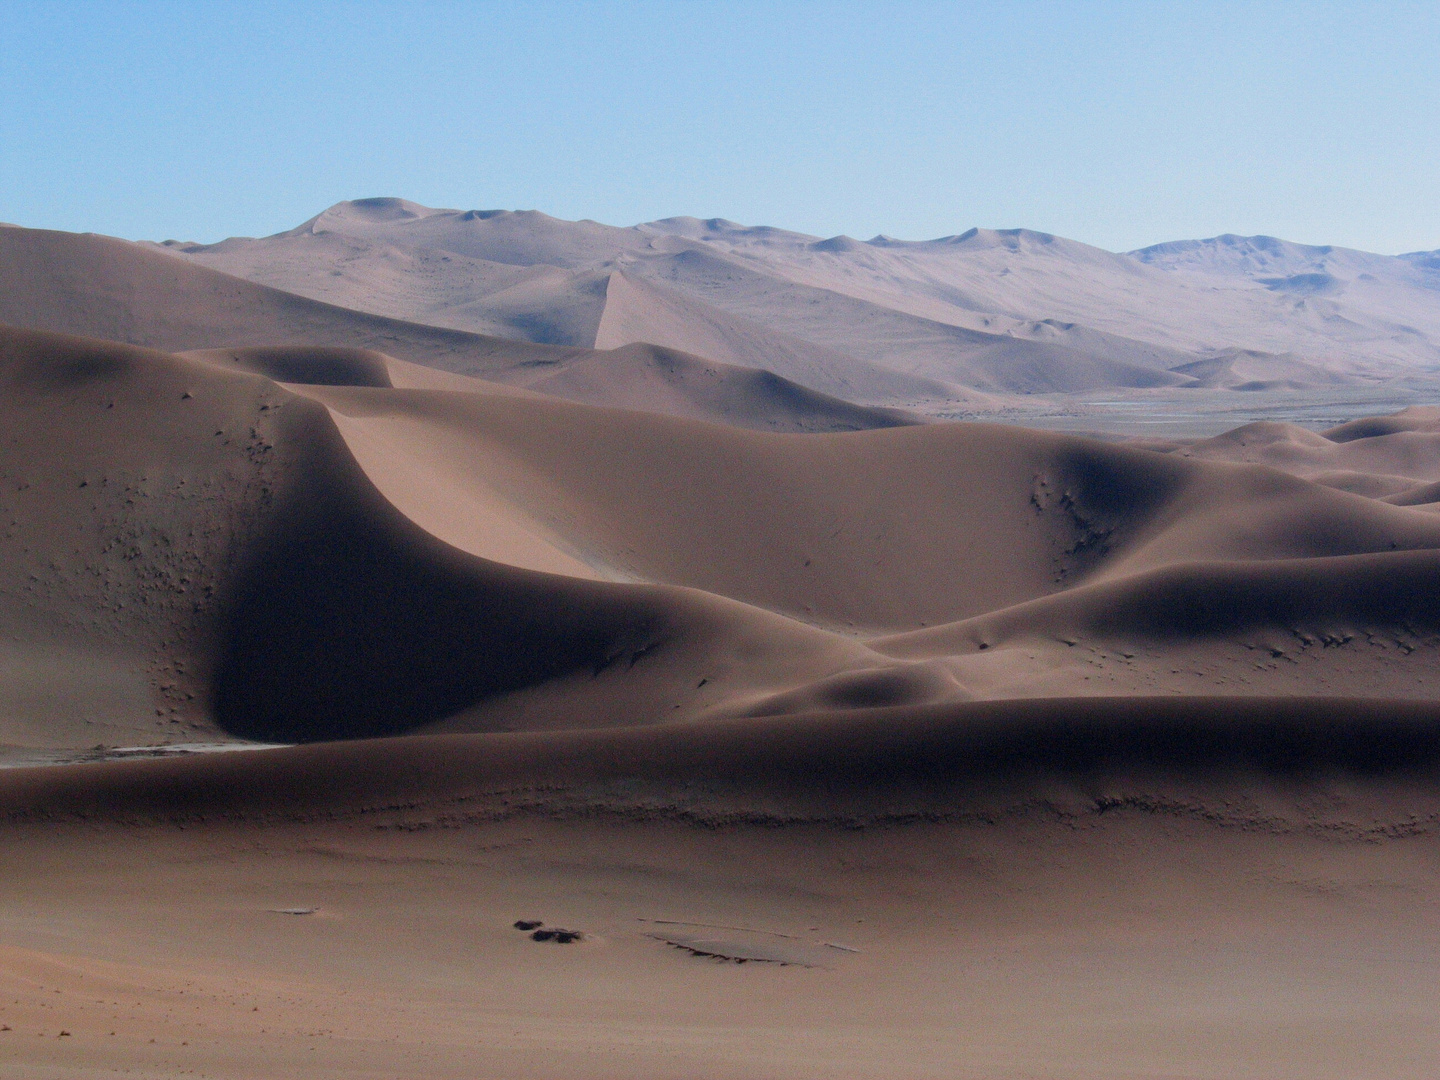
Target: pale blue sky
[1114, 123]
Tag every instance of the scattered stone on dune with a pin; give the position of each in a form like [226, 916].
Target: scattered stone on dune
[293, 910]
[555, 934]
[528, 924]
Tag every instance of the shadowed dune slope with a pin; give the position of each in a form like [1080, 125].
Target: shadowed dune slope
[313, 365]
[884, 764]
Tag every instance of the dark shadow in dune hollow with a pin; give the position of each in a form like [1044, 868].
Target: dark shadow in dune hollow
[306, 364]
[349, 621]
[897, 765]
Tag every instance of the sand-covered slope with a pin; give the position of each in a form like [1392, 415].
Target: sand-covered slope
[360, 549]
[994, 890]
[206, 544]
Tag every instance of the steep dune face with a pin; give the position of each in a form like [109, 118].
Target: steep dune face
[637, 310]
[898, 527]
[348, 621]
[373, 551]
[985, 352]
[1050, 541]
[902, 526]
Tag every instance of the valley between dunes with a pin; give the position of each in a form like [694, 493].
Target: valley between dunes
[851, 744]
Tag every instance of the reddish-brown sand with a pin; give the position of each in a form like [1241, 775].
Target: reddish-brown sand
[992, 752]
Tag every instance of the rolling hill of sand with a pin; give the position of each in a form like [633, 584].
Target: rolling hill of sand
[835, 743]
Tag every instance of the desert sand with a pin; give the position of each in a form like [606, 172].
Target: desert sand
[838, 740]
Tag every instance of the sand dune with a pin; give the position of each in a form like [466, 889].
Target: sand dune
[642, 311]
[887, 763]
[230, 537]
[343, 556]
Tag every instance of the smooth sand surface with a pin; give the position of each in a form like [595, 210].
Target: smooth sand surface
[108, 288]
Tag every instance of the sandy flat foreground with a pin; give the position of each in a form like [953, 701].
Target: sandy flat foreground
[1131, 949]
[1228, 924]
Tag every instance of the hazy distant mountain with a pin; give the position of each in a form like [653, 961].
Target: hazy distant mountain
[1277, 264]
[1008, 311]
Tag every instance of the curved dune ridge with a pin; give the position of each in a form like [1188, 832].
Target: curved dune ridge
[292, 545]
